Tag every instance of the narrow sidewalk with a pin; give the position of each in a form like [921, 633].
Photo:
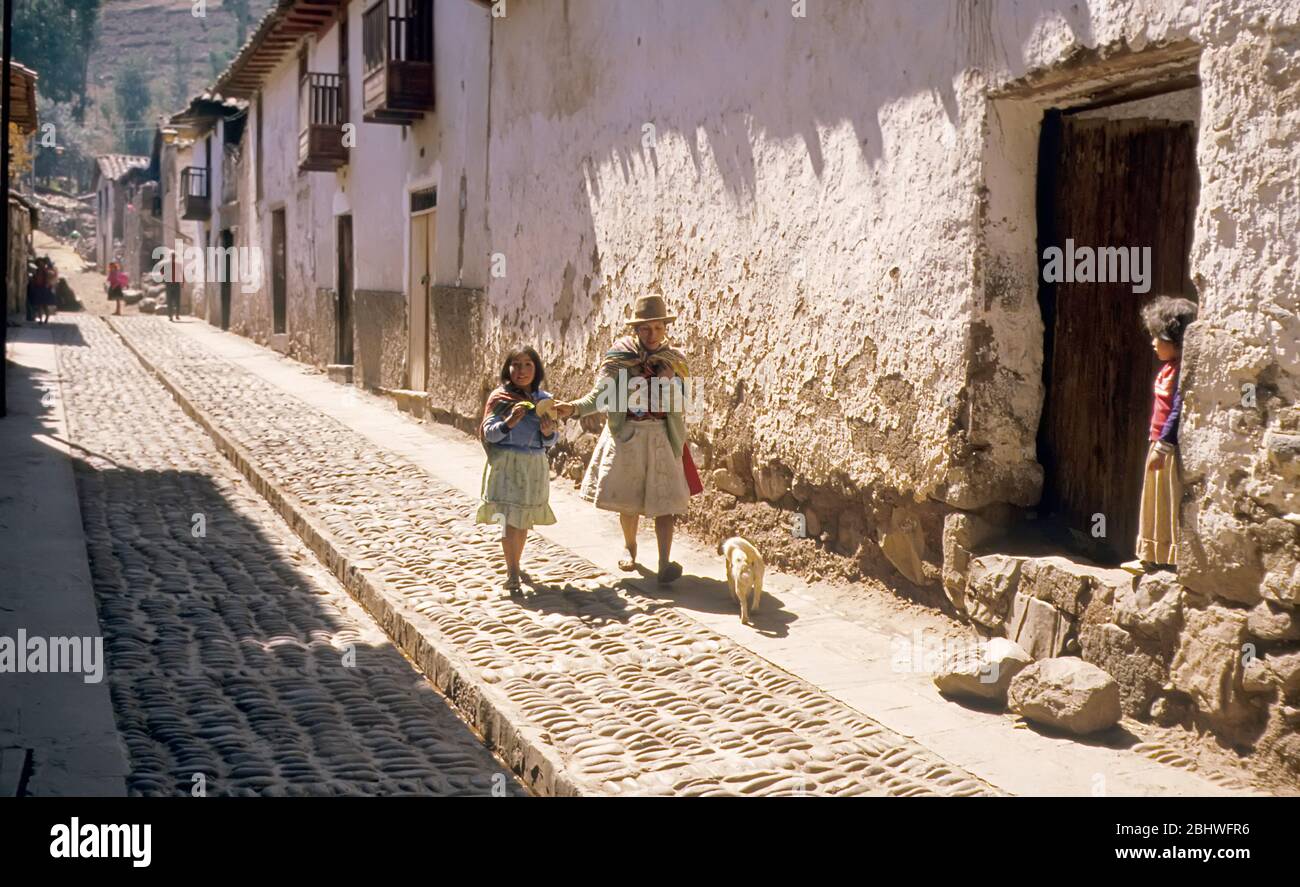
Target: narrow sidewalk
[57, 732]
[851, 660]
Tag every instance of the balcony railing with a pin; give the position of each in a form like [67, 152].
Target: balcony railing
[195, 202]
[397, 61]
[322, 111]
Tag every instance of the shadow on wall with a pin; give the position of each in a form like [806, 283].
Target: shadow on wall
[793, 83]
[775, 80]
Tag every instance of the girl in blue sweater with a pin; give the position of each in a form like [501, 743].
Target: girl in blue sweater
[518, 426]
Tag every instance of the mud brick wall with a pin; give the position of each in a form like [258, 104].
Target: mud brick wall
[379, 350]
[457, 390]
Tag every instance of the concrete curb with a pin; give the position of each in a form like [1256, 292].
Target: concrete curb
[521, 747]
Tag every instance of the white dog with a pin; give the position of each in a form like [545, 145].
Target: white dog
[744, 573]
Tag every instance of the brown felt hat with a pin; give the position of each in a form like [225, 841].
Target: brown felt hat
[650, 308]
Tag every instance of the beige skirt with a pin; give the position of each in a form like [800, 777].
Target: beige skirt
[637, 473]
[1162, 493]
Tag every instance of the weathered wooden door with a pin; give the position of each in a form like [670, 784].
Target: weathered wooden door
[421, 279]
[1106, 183]
[279, 282]
[227, 272]
[343, 349]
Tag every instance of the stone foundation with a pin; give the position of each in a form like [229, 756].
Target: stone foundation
[1210, 664]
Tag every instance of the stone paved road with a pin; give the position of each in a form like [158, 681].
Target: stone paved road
[226, 648]
[631, 695]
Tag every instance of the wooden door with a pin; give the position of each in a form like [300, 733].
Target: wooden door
[227, 272]
[343, 349]
[279, 305]
[1107, 183]
[421, 280]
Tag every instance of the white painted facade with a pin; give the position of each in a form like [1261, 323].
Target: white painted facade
[386, 164]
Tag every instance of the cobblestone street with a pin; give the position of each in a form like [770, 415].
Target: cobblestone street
[236, 663]
[619, 693]
[295, 599]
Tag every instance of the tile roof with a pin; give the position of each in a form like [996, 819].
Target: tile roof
[22, 97]
[285, 24]
[114, 166]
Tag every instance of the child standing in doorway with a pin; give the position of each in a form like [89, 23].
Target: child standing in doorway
[519, 425]
[1166, 320]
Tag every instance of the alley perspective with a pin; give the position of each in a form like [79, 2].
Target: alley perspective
[653, 398]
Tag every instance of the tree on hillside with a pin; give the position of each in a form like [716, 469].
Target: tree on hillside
[218, 59]
[243, 18]
[74, 150]
[133, 99]
[54, 38]
[180, 78]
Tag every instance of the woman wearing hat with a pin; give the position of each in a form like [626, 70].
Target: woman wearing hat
[637, 468]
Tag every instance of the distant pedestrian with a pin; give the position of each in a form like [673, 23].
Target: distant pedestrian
[116, 284]
[516, 480]
[172, 287]
[49, 299]
[1166, 320]
[35, 280]
[40, 291]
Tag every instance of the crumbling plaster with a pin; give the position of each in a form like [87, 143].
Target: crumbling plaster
[833, 204]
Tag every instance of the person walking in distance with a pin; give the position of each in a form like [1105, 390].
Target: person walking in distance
[116, 285]
[172, 287]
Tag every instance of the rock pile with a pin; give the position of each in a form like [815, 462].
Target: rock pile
[1157, 649]
[66, 217]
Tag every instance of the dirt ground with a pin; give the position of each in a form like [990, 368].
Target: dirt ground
[868, 589]
[88, 286]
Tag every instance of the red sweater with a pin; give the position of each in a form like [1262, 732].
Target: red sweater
[1168, 405]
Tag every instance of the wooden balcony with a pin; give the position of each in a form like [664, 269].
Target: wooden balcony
[397, 61]
[322, 111]
[195, 201]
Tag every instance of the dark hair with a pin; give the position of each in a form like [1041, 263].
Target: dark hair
[526, 351]
[1167, 317]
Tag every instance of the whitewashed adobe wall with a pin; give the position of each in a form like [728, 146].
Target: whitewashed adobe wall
[812, 199]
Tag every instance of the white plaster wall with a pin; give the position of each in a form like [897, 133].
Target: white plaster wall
[459, 141]
[389, 162]
[1242, 460]
[372, 184]
[823, 200]
[216, 174]
[809, 205]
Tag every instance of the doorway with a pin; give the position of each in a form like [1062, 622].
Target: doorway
[423, 226]
[227, 251]
[343, 305]
[278, 296]
[1104, 182]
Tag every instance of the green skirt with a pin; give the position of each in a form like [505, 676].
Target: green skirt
[516, 489]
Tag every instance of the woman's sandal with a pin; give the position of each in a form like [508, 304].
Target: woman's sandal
[512, 583]
[627, 563]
